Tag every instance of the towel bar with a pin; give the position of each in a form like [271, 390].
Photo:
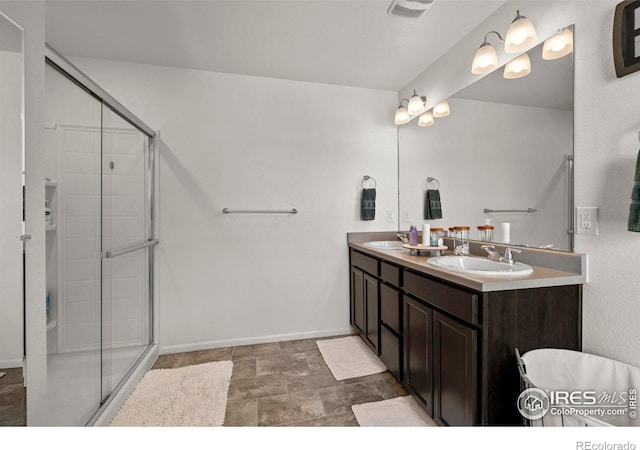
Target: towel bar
[259, 211]
[528, 210]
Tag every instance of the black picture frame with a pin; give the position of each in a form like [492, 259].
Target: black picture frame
[625, 34]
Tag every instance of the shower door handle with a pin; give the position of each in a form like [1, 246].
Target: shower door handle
[122, 251]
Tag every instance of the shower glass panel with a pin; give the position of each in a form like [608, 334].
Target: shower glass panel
[125, 223]
[73, 246]
[99, 246]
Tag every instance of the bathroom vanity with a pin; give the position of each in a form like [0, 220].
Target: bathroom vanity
[450, 337]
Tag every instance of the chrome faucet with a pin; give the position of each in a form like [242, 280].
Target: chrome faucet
[403, 237]
[495, 255]
[508, 254]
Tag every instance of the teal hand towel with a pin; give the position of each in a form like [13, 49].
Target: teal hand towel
[432, 205]
[634, 209]
[368, 209]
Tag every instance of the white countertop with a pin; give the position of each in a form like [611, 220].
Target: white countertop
[541, 276]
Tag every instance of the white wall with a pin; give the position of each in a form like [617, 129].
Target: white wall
[31, 15]
[238, 142]
[11, 300]
[607, 120]
[496, 156]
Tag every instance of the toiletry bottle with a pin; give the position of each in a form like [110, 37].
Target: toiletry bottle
[48, 306]
[414, 234]
[485, 232]
[47, 214]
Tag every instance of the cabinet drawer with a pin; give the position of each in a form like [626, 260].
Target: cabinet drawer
[459, 302]
[391, 352]
[390, 307]
[390, 273]
[366, 263]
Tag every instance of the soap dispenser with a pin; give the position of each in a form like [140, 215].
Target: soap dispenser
[413, 231]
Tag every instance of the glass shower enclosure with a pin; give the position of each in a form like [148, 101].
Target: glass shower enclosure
[99, 184]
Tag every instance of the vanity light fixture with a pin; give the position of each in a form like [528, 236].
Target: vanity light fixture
[520, 36]
[402, 115]
[486, 58]
[558, 45]
[426, 119]
[518, 67]
[416, 104]
[442, 109]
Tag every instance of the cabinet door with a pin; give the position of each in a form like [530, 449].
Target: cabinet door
[417, 334]
[455, 381]
[372, 308]
[357, 299]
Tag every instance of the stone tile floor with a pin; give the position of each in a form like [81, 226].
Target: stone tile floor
[288, 384]
[276, 384]
[13, 399]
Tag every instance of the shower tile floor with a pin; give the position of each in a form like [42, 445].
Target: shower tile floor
[288, 384]
[275, 384]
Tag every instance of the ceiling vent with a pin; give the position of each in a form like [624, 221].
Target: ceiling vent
[409, 8]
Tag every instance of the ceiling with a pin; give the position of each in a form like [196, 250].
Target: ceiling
[342, 42]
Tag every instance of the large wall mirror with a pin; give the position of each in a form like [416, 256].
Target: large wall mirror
[11, 181]
[507, 146]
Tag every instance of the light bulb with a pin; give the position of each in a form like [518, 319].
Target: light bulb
[402, 116]
[485, 60]
[425, 119]
[442, 109]
[521, 35]
[416, 105]
[518, 68]
[558, 45]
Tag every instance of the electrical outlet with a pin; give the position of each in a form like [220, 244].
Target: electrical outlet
[406, 217]
[587, 220]
[391, 217]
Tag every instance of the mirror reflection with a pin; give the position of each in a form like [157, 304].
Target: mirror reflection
[503, 157]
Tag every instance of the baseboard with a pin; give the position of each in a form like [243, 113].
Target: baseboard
[10, 363]
[109, 410]
[205, 345]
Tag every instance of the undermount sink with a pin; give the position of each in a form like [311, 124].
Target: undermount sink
[480, 266]
[384, 245]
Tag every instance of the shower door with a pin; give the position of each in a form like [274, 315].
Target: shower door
[126, 232]
[99, 184]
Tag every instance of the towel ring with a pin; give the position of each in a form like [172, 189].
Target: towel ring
[430, 180]
[367, 178]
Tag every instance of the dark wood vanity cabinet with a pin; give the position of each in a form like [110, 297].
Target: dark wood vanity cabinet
[453, 348]
[365, 303]
[455, 357]
[418, 354]
[441, 353]
[391, 327]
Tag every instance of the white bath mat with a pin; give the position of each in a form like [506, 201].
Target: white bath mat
[396, 412]
[349, 357]
[188, 396]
